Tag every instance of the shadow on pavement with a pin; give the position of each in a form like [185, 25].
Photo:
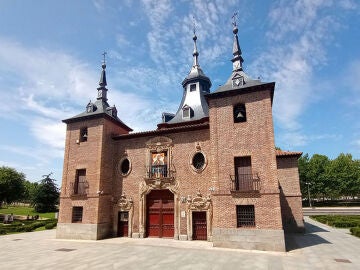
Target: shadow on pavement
[295, 241]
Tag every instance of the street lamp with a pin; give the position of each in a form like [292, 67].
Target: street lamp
[308, 185]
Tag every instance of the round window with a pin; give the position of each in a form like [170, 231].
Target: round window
[125, 166]
[198, 161]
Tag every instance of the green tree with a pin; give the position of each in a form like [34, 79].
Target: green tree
[303, 163]
[317, 176]
[11, 185]
[46, 195]
[29, 191]
[344, 174]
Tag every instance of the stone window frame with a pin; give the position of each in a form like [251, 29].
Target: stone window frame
[120, 165]
[192, 158]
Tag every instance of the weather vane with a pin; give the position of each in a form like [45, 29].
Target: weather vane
[194, 25]
[234, 18]
[104, 55]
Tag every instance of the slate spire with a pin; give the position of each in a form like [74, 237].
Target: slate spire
[102, 90]
[237, 58]
[195, 53]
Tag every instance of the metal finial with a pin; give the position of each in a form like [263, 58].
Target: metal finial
[234, 18]
[104, 59]
[194, 25]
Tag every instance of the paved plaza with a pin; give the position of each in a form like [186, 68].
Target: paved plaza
[321, 247]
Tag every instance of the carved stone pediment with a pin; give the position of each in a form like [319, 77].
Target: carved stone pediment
[199, 202]
[159, 143]
[124, 203]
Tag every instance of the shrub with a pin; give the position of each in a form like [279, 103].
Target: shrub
[2, 231]
[355, 231]
[339, 221]
[51, 225]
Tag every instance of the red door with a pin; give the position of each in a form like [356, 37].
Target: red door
[160, 214]
[199, 226]
[123, 223]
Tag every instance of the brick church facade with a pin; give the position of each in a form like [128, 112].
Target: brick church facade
[208, 172]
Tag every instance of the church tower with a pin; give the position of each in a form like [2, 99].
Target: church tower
[244, 158]
[85, 199]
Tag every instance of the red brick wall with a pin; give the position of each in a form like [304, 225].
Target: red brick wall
[254, 138]
[291, 208]
[95, 156]
[184, 146]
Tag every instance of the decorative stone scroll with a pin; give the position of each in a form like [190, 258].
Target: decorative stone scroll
[199, 202]
[124, 203]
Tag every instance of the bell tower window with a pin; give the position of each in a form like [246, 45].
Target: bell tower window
[239, 113]
[83, 134]
[192, 87]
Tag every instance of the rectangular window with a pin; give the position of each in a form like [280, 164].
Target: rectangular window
[192, 87]
[243, 174]
[83, 134]
[245, 216]
[77, 214]
[186, 113]
[80, 184]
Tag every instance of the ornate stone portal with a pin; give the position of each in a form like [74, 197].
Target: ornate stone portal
[155, 181]
[199, 204]
[124, 204]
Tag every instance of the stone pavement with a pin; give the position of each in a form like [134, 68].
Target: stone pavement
[321, 247]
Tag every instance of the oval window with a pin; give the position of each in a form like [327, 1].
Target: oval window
[125, 166]
[198, 161]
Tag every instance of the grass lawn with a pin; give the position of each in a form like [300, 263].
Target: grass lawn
[24, 211]
[338, 221]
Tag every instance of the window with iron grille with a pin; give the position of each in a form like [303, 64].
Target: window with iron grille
[77, 214]
[245, 216]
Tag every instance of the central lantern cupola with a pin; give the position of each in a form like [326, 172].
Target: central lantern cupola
[193, 106]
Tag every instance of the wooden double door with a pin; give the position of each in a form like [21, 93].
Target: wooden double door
[160, 214]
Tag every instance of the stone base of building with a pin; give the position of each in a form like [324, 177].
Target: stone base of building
[82, 231]
[269, 240]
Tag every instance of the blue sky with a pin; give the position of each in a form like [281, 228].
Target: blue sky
[50, 63]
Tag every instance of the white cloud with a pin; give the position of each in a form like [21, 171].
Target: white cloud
[299, 35]
[50, 133]
[290, 139]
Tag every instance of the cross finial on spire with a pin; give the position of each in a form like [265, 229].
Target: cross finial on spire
[195, 53]
[104, 57]
[194, 25]
[234, 18]
[104, 60]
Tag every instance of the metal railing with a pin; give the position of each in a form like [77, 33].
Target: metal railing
[158, 171]
[79, 188]
[245, 182]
